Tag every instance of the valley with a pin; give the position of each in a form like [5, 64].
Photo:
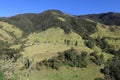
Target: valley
[35, 43]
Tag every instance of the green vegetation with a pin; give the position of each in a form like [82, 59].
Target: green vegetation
[40, 22]
[97, 59]
[69, 57]
[2, 75]
[90, 43]
[38, 47]
[110, 18]
[111, 69]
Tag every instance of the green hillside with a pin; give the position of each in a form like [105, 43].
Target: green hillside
[9, 32]
[53, 45]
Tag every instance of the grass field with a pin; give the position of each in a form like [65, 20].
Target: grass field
[9, 32]
[104, 31]
[44, 51]
[67, 73]
[46, 44]
[54, 35]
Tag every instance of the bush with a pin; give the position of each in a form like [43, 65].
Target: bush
[2, 75]
[101, 43]
[112, 69]
[98, 79]
[69, 57]
[76, 43]
[90, 43]
[97, 59]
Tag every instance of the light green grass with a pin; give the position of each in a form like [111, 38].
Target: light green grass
[11, 28]
[104, 31]
[43, 51]
[68, 73]
[115, 43]
[9, 32]
[46, 44]
[54, 35]
[5, 36]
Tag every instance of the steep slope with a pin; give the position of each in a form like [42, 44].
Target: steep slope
[9, 32]
[54, 35]
[107, 31]
[52, 31]
[49, 42]
[110, 18]
[51, 18]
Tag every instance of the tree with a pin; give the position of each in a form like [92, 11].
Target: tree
[98, 79]
[27, 63]
[90, 43]
[2, 75]
[76, 43]
[68, 42]
[112, 69]
[97, 59]
[69, 57]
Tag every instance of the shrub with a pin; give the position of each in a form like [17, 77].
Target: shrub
[90, 43]
[112, 70]
[97, 59]
[69, 57]
[2, 75]
[98, 79]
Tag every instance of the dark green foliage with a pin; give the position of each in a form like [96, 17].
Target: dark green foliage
[7, 53]
[97, 59]
[27, 63]
[66, 29]
[68, 42]
[90, 43]
[2, 75]
[83, 27]
[65, 41]
[81, 60]
[69, 57]
[53, 63]
[4, 44]
[76, 43]
[101, 42]
[74, 60]
[110, 18]
[111, 50]
[1, 27]
[40, 22]
[98, 79]
[112, 69]
[70, 54]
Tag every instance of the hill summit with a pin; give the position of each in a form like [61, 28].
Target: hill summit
[51, 18]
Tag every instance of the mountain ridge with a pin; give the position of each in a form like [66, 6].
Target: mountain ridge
[37, 22]
[51, 18]
[109, 18]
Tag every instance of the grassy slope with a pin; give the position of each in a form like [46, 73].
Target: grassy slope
[104, 31]
[54, 35]
[67, 73]
[47, 43]
[9, 32]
